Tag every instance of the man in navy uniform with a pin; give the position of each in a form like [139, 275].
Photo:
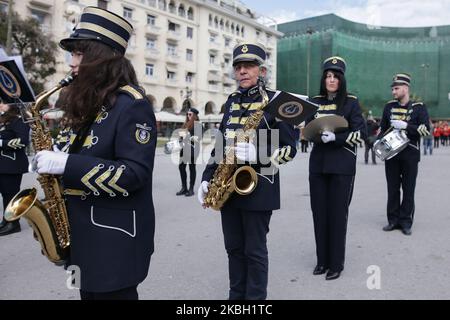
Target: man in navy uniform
[245, 218]
[107, 167]
[401, 170]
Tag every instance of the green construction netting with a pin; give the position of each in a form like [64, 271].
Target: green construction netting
[373, 56]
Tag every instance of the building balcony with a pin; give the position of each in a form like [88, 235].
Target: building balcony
[173, 35]
[173, 58]
[228, 90]
[152, 29]
[172, 82]
[151, 54]
[213, 87]
[215, 67]
[149, 80]
[131, 50]
[215, 45]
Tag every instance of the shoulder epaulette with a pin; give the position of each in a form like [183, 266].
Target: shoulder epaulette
[392, 101]
[417, 104]
[352, 96]
[134, 93]
[233, 94]
[319, 96]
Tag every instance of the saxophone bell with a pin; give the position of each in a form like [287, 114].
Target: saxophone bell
[48, 219]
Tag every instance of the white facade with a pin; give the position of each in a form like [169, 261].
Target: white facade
[181, 50]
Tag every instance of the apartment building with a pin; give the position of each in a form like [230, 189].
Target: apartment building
[181, 49]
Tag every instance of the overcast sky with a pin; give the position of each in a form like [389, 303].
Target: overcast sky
[398, 13]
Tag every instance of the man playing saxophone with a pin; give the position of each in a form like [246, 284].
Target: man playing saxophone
[245, 218]
[107, 168]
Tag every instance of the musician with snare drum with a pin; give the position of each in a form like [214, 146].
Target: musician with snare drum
[402, 120]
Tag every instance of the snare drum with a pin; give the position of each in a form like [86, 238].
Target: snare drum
[391, 144]
[172, 146]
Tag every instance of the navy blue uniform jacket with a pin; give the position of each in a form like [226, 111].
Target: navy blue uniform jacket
[416, 116]
[108, 187]
[15, 136]
[266, 196]
[338, 157]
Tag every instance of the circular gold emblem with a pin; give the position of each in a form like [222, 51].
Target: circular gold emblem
[142, 136]
[290, 109]
[244, 49]
[9, 84]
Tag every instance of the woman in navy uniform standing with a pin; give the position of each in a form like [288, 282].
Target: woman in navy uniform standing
[188, 153]
[332, 168]
[107, 171]
[245, 218]
[14, 137]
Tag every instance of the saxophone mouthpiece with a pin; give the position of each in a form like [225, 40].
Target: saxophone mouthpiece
[67, 80]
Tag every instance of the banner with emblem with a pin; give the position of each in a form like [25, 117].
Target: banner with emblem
[14, 86]
[290, 107]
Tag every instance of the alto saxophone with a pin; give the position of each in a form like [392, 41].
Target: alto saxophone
[48, 219]
[228, 176]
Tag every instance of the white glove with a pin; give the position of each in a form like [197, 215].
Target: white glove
[399, 124]
[245, 151]
[328, 136]
[50, 162]
[1, 143]
[202, 191]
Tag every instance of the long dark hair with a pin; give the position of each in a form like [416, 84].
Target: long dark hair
[11, 114]
[189, 123]
[341, 94]
[101, 72]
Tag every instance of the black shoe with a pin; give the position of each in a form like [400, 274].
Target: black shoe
[3, 223]
[331, 275]
[319, 270]
[390, 227]
[190, 193]
[183, 191]
[10, 227]
[406, 231]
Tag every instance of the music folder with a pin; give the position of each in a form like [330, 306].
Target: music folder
[290, 107]
[14, 86]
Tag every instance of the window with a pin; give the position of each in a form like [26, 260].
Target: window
[151, 20]
[189, 54]
[150, 43]
[151, 3]
[212, 59]
[170, 75]
[39, 16]
[189, 33]
[172, 7]
[162, 5]
[189, 77]
[172, 26]
[190, 14]
[127, 13]
[181, 11]
[102, 4]
[171, 49]
[149, 70]
[226, 61]
[212, 37]
[227, 42]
